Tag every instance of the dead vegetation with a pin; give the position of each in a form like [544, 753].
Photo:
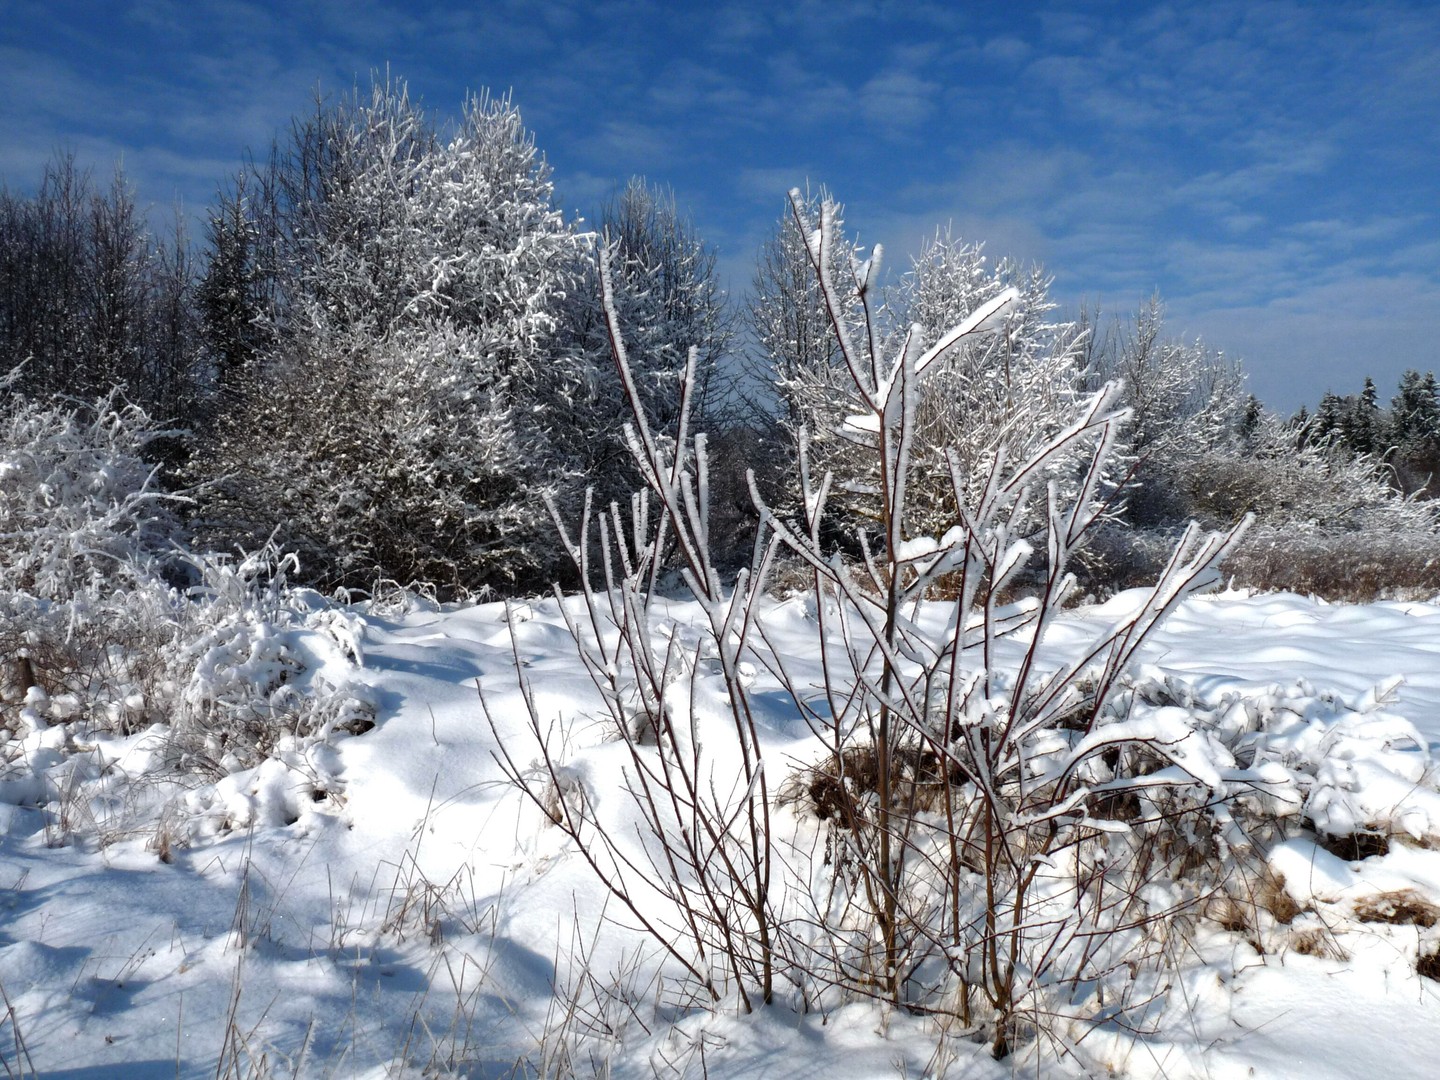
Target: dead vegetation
[1398, 907]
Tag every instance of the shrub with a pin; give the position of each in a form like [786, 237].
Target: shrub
[993, 819]
[84, 538]
[79, 505]
[99, 638]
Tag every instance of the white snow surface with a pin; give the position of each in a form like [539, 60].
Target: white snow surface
[385, 904]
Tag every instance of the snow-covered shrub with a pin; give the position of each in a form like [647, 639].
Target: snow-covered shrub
[988, 817]
[713, 829]
[153, 709]
[97, 660]
[974, 862]
[1358, 566]
[79, 506]
[1308, 487]
[1203, 450]
[84, 538]
[102, 657]
[1326, 521]
[1342, 767]
[260, 664]
[231, 666]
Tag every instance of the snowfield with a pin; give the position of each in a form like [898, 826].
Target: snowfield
[388, 904]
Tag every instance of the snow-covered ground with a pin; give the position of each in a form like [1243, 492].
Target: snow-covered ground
[388, 904]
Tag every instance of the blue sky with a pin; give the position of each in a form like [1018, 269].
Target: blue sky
[1273, 169]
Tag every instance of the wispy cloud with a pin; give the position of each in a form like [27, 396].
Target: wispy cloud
[628, 145]
[1325, 336]
[1252, 158]
[897, 100]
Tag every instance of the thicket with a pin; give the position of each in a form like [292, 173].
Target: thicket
[110, 625]
[388, 353]
[91, 299]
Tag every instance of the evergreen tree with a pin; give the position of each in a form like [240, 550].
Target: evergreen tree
[796, 348]
[1328, 425]
[1415, 432]
[1363, 432]
[1251, 419]
[234, 319]
[1415, 409]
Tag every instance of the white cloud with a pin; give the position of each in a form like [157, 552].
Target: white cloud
[897, 99]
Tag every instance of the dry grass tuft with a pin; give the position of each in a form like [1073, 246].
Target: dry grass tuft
[1272, 895]
[1318, 942]
[843, 786]
[1230, 913]
[1398, 907]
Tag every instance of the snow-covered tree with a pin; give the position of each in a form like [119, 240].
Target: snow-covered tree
[798, 352]
[410, 417]
[669, 302]
[793, 374]
[1415, 432]
[1329, 424]
[1181, 394]
[1186, 400]
[1416, 408]
[667, 298]
[1015, 388]
[1012, 389]
[235, 319]
[1364, 429]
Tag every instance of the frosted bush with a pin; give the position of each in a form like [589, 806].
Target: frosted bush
[101, 654]
[79, 506]
[988, 818]
[99, 660]
[264, 662]
[85, 536]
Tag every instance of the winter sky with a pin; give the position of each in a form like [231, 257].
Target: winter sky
[1271, 168]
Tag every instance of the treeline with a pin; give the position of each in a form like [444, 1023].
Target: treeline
[1406, 436]
[388, 353]
[91, 298]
